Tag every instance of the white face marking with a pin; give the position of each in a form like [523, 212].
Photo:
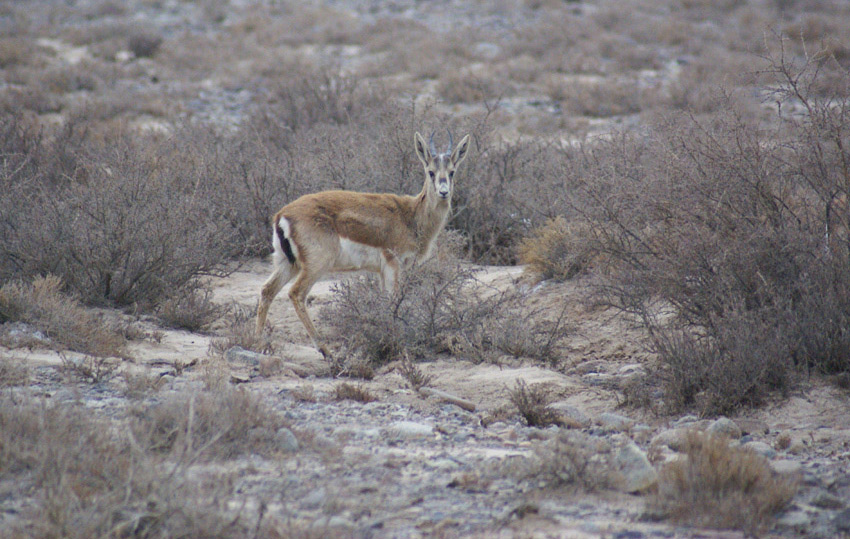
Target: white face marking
[440, 177]
[356, 256]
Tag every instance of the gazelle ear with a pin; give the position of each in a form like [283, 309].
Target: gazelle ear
[421, 148]
[460, 151]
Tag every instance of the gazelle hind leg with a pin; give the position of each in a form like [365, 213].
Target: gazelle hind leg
[298, 293]
[282, 274]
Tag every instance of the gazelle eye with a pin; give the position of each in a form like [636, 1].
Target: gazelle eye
[451, 174]
[431, 173]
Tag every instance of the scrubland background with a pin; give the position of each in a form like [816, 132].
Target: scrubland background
[688, 160]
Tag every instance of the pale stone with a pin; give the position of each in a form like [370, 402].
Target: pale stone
[636, 472]
[725, 427]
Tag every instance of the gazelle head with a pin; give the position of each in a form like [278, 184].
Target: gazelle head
[440, 167]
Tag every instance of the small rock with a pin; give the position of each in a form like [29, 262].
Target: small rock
[796, 520]
[314, 499]
[672, 438]
[637, 474]
[409, 430]
[684, 420]
[725, 427]
[825, 500]
[752, 426]
[445, 464]
[614, 422]
[786, 467]
[631, 369]
[761, 448]
[842, 521]
[629, 534]
[797, 447]
[598, 379]
[487, 50]
[337, 522]
[642, 433]
[571, 414]
[237, 354]
[286, 440]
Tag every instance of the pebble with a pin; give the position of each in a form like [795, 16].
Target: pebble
[753, 426]
[636, 473]
[571, 414]
[286, 440]
[314, 499]
[685, 419]
[725, 427]
[842, 521]
[825, 500]
[614, 422]
[408, 430]
[599, 379]
[786, 466]
[672, 438]
[797, 447]
[796, 520]
[761, 448]
[237, 354]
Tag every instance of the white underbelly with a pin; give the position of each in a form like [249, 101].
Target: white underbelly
[355, 256]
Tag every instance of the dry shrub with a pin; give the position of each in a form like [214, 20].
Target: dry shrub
[121, 219]
[558, 250]
[59, 316]
[190, 308]
[746, 359]
[215, 372]
[13, 373]
[440, 307]
[357, 393]
[15, 51]
[532, 404]
[85, 479]
[413, 374]
[240, 330]
[209, 425]
[457, 87]
[301, 96]
[144, 44]
[93, 370]
[569, 459]
[139, 385]
[728, 243]
[604, 99]
[501, 185]
[718, 486]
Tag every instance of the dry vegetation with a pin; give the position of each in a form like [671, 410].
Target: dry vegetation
[691, 157]
[723, 487]
[440, 308]
[85, 480]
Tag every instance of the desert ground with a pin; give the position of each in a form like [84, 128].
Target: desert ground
[146, 144]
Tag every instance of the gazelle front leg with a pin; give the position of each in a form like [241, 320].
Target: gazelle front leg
[389, 272]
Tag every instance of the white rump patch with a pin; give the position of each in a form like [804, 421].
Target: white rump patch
[279, 255]
[356, 256]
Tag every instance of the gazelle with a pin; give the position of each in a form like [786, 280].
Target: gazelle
[349, 231]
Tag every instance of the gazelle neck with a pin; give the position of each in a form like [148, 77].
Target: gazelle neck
[430, 214]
